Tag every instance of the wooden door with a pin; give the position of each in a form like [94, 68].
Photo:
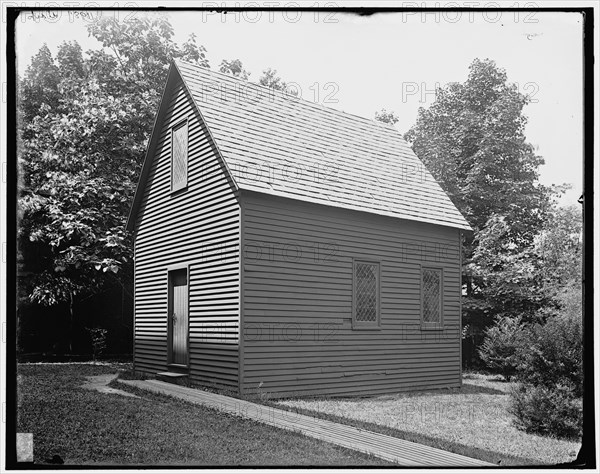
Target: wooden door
[178, 316]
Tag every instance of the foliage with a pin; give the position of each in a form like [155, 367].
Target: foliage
[386, 117]
[98, 337]
[270, 79]
[547, 411]
[472, 140]
[509, 279]
[546, 358]
[83, 123]
[548, 399]
[554, 355]
[40, 87]
[558, 249]
[534, 281]
[501, 350]
[141, 49]
[234, 68]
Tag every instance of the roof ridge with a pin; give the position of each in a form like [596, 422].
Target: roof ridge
[284, 96]
[285, 145]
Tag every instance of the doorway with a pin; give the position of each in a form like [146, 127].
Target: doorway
[178, 317]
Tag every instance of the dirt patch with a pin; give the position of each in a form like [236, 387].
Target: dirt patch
[100, 383]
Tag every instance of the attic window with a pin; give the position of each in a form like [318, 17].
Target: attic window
[366, 295]
[431, 297]
[179, 156]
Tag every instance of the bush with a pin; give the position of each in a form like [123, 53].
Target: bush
[503, 344]
[547, 411]
[98, 337]
[548, 399]
[554, 355]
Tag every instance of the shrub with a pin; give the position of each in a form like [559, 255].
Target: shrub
[98, 337]
[554, 355]
[547, 411]
[548, 399]
[502, 346]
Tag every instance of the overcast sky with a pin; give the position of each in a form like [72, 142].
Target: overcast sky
[388, 60]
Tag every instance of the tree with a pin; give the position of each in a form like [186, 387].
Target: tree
[472, 140]
[558, 248]
[234, 68]
[386, 117]
[509, 280]
[545, 352]
[84, 124]
[501, 349]
[134, 61]
[70, 60]
[270, 79]
[39, 88]
[542, 279]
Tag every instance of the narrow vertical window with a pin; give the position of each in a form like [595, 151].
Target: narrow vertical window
[179, 157]
[366, 294]
[431, 297]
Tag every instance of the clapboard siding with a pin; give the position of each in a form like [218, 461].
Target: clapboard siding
[197, 228]
[297, 301]
[270, 258]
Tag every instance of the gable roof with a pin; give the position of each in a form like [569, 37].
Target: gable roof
[278, 144]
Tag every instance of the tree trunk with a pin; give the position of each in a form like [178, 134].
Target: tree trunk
[469, 286]
[71, 318]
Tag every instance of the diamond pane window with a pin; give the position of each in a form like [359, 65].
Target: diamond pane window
[432, 295]
[179, 157]
[366, 293]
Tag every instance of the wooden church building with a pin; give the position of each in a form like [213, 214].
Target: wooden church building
[288, 248]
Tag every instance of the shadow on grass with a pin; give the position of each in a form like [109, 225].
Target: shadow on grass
[83, 427]
[473, 389]
[466, 389]
[500, 459]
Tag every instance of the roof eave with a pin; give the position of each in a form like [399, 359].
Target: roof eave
[465, 227]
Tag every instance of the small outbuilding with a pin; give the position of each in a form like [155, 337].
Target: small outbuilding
[288, 248]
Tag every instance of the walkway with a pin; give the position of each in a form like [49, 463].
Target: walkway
[405, 453]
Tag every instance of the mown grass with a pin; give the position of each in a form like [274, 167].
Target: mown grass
[472, 421]
[85, 427]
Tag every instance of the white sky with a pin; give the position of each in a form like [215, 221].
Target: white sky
[389, 60]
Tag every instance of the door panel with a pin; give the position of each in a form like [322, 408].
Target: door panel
[179, 316]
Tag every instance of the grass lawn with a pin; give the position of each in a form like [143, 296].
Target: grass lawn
[87, 427]
[472, 421]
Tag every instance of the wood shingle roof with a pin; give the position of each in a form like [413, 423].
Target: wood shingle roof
[278, 144]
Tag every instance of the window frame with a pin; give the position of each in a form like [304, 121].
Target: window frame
[368, 325]
[428, 325]
[177, 126]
